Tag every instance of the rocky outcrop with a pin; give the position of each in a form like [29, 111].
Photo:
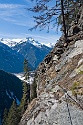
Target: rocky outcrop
[77, 25]
[59, 86]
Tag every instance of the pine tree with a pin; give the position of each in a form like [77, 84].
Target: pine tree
[71, 11]
[61, 12]
[12, 118]
[26, 69]
[26, 90]
[49, 14]
[25, 99]
[15, 113]
[26, 74]
[5, 115]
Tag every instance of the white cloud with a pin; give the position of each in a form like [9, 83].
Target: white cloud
[15, 14]
[10, 6]
[9, 35]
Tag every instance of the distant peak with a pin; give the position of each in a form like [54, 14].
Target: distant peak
[13, 42]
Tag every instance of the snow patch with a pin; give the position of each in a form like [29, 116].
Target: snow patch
[51, 45]
[8, 94]
[13, 42]
[12, 96]
[22, 77]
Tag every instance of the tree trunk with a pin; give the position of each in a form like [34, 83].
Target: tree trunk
[64, 26]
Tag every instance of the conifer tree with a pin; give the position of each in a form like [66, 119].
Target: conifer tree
[26, 74]
[25, 99]
[61, 12]
[26, 90]
[5, 115]
[71, 9]
[12, 118]
[26, 69]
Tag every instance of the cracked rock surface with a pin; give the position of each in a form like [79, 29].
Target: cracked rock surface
[59, 86]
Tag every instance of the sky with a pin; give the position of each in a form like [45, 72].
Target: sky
[15, 22]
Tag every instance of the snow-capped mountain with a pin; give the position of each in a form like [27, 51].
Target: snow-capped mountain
[29, 49]
[13, 42]
[32, 50]
[10, 42]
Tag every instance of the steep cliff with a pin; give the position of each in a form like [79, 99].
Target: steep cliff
[60, 84]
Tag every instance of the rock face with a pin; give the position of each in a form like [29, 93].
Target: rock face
[77, 25]
[59, 86]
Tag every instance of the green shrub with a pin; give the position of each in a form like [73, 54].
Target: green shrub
[74, 88]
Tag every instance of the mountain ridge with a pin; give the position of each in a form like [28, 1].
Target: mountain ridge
[13, 42]
[27, 48]
[32, 50]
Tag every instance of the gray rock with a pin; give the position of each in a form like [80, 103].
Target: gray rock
[80, 61]
[55, 58]
[78, 49]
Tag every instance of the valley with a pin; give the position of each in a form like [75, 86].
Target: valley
[12, 55]
[41, 83]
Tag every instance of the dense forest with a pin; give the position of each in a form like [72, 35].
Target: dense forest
[10, 89]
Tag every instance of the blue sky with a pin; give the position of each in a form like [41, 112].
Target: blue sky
[15, 22]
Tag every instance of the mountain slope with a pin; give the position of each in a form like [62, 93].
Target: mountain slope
[10, 89]
[60, 84]
[10, 60]
[32, 50]
[59, 87]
